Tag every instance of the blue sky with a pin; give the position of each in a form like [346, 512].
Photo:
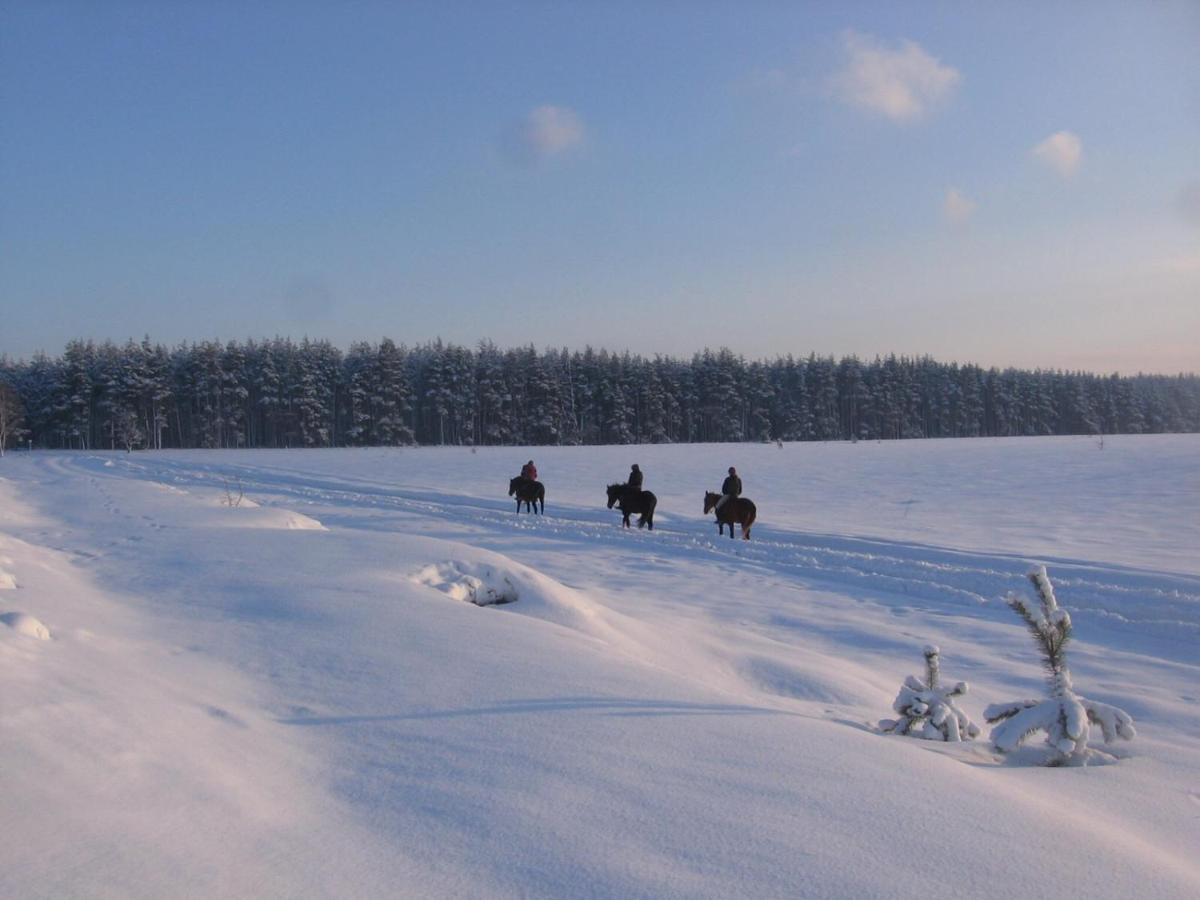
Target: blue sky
[1013, 183]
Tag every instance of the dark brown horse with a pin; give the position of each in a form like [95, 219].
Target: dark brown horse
[735, 511]
[634, 501]
[529, 492]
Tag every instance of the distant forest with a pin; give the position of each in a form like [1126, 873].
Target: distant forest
[282, 393]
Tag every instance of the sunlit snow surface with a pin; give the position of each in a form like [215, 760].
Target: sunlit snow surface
[290, 695]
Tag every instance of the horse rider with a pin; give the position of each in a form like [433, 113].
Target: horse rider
[634, 483]
[529, 471]
[731, 487]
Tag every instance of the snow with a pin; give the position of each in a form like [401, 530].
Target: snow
[234, 707]
[23, 623]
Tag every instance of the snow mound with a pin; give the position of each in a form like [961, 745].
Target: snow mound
[492, 579]
[25, 624]
[7, 582]
[301, 522]
[255, 516]
[483, 585]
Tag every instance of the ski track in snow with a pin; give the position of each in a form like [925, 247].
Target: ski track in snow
[900, 575]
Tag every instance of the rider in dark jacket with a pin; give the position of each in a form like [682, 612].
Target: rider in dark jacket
[635, 479]
[731, 487]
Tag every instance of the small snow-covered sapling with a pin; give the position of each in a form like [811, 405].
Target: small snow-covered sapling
[1064, 716]
[928, 710]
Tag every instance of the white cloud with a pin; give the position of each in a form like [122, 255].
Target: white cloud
[1062, 152]
[549, 131]
[957, 207]
[901, 84]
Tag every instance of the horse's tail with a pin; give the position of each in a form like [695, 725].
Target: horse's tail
[542, 497]
[750, 517]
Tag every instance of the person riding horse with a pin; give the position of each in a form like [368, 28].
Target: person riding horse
[634, 483]
[528, 490]
[731, 487]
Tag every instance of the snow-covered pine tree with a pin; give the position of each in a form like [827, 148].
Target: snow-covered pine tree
[927, 709]
[1064, 716]
[12, 414]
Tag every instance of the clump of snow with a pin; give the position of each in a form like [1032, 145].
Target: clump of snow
[7, 582]
[492, 579]
[483, 585]
[928, 710]
[23, 623]
[1065, 717]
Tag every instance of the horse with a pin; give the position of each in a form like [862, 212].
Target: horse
[735, 510]
[634, 501]
[528, 492]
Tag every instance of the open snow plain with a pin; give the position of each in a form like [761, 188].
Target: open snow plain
[291, 697]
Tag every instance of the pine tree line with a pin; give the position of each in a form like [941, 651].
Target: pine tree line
[280, 393]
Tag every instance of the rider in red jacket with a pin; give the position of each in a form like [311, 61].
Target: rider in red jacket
[529, 471]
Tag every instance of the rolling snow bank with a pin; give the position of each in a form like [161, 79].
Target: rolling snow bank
[23, 623]
[232, 711]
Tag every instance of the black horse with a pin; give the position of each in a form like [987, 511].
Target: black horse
[736, 510]
[635, 501]
[529, 492]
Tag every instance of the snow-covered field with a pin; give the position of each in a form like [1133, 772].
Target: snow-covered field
[290, 696]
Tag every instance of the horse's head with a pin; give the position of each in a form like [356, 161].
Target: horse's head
[513, 485]
[614, 493]
[710, 500]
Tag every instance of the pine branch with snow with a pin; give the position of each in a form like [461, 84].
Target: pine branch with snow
[1065, 717]
[927, 709]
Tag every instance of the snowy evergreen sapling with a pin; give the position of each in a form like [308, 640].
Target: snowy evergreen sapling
[927, 709]
[1065, 716]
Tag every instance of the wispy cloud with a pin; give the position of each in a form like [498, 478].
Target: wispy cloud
[957, 207]
[902, 83]
[544, 132]
[1062, 152]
